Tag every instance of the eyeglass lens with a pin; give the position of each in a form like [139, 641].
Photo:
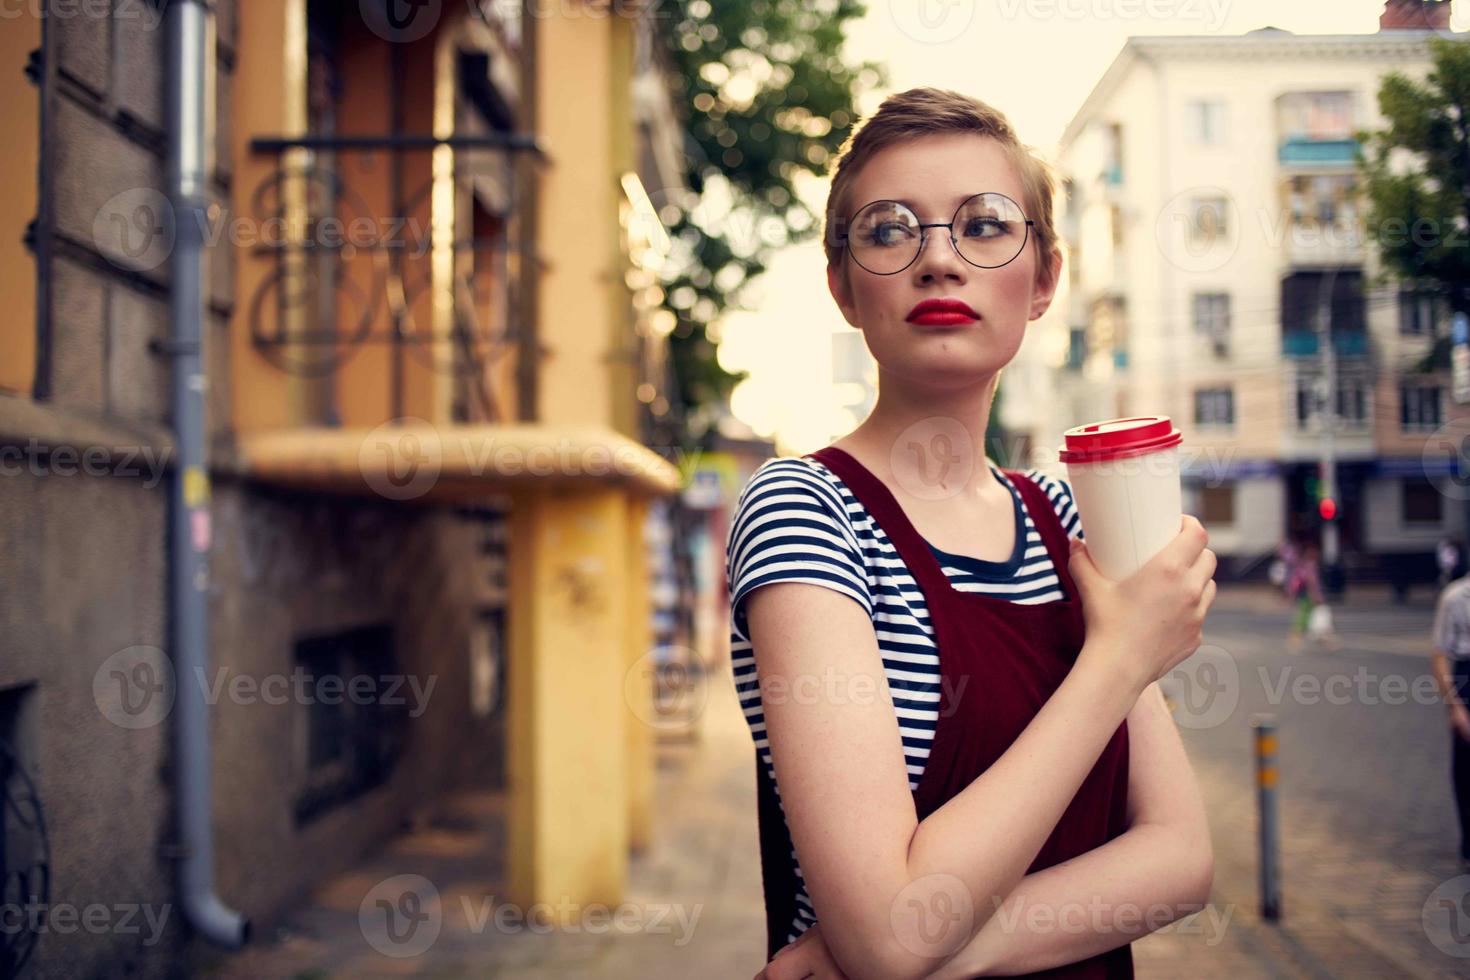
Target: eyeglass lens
[989, 231]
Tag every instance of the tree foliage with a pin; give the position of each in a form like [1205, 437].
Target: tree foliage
[1417, 176]
[765, 95]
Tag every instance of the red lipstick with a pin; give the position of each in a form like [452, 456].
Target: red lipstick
[942, 313]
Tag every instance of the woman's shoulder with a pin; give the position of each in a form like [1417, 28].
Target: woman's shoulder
[792, 480]
[791, 524]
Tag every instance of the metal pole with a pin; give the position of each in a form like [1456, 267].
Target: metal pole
[1263, 728]
[190, 43]
[1329, 425]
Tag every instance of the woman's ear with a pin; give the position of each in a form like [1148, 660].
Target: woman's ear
[841, 291]
[1046, 288]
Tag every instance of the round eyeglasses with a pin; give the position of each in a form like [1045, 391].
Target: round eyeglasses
[988, 230]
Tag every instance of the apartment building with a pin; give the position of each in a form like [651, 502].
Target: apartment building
[1213, 219]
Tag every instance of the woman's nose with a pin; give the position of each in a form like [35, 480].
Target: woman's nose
[938, 255]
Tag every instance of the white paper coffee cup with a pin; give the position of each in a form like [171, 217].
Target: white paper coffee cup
[1124, 475]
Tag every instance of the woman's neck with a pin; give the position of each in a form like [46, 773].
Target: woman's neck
[930, 443]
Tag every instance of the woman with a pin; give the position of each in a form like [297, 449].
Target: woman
[956, 719]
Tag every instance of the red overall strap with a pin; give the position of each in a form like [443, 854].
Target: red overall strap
[1049, 525]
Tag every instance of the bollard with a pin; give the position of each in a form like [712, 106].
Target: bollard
[1264, 729]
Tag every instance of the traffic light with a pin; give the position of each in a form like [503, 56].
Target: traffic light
[1327, 508]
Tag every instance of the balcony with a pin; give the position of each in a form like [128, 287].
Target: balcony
[418, 462]
[393, 284]
[1310, 244]
[1304, 343]
[394, 353]
[1305, 152]
[1304, 295]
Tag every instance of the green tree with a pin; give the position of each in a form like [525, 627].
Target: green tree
[1420, 218]
[765, 94]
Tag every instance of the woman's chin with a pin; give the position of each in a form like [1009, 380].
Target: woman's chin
[950, 369]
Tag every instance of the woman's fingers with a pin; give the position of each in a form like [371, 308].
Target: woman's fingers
[1182, 552]
[1206, 597]
[1203, 569]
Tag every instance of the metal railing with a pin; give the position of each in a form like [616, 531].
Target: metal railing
[412, 241]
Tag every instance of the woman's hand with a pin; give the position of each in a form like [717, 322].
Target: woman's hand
[1145, 625]
[805, 956]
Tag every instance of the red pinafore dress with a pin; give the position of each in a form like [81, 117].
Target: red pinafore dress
[1012, 657]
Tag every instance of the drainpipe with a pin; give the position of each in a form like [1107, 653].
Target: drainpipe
[191, 86]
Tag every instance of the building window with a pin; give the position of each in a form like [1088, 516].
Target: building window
[1315, 116]
[1418, 312]
[1302, 294]
[349, 741]
[1205, 122]
[1332, 200]
[1207, 223]
[1212, 319]
[1324, 201]
[1076, 348]
[1351, 404]
[1419, 407]
[1217, 504]
[1113, 154]
[1422, 503]
[1214, 406]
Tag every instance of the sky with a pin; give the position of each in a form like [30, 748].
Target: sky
[1036, 60]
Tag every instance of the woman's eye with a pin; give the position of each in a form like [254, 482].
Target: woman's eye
[985, 228]
[889, 233]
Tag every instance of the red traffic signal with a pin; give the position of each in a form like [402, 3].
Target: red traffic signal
[1327, 508]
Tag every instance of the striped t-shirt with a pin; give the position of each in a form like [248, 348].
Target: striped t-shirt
[796, 521]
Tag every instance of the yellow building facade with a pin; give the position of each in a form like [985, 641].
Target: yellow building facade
[563, 454]
[428, 293]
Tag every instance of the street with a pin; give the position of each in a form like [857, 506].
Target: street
[1368, 828]
[1367, 835]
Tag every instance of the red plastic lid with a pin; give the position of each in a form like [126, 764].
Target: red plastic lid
[1119, 438]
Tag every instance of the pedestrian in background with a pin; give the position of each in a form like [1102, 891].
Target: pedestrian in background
[1287, 555]
[1451, 665]
[1447, 557]
[1313, 617]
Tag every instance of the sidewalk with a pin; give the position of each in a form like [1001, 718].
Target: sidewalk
[696, 894]
[1365, 618]
[1371, 595]
[693, 906]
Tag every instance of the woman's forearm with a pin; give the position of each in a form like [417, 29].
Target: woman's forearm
[987, 835]
[1131, 886]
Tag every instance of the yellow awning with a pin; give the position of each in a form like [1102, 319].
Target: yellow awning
[420, 461]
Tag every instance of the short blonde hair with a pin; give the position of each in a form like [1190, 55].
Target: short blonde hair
[926, 111]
